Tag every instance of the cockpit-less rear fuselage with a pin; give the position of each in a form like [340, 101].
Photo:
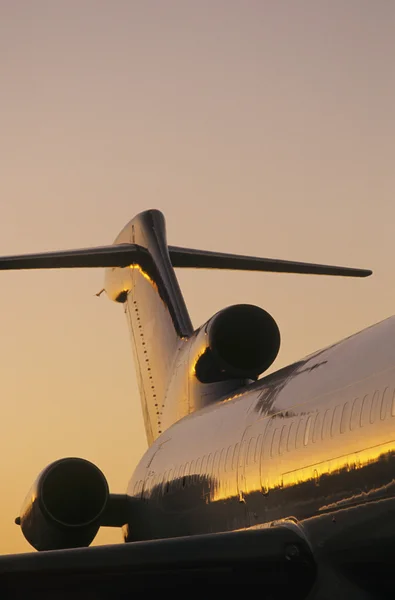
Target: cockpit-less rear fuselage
[309, 447]
[311, 439]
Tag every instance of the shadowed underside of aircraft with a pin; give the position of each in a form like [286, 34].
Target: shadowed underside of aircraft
[281, 484]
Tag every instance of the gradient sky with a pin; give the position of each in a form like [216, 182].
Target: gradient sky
[264, 127]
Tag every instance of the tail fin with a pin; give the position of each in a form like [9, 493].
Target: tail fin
[155, 310]
[140, 274]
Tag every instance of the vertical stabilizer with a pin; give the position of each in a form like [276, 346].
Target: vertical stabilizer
[155, 310]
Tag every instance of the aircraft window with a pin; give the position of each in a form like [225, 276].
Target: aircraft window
[183, 480]
[291, 436]
[161, 483]
[148, 484]
[265, 485]
[275, 442]
[326, 424]
[384, 402]
[168, 479]
[209, 464]
[222, 461]
[345, 420]
[374, 406]
[242, 453]
[191, 472]
[283, 439]
[355, 413]
[267, 442]
[215, 464]
[144, 491]
[228, 459]
[335, 425]
[365, 410]
[251, 451]
[266, 438]
[235, 454]
[317, 426]
[307, 431]
[258, 448]
[198, 464]
[204, 466]
[299, 434]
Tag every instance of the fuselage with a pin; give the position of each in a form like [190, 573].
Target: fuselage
[313, 437]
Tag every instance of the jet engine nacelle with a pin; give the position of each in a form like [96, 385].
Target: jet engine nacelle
[239, 342]
[64, 505]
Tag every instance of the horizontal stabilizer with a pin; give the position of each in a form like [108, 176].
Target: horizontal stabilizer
[122, 255]
[203, 259]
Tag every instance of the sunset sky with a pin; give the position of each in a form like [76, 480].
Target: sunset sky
[263, 127]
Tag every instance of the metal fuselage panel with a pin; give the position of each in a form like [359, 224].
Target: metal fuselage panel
[314, 437]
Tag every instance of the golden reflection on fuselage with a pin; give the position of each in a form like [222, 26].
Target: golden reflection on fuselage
[233, 397]
[199, 354]
[118, 282]
[138, 268]
[347, 462]
[341, 462]
[331, 471]
[317, 435]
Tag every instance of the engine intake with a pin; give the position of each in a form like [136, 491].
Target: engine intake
[64, 505]
[242, 341]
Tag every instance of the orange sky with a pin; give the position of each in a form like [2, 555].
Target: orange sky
[262, 127]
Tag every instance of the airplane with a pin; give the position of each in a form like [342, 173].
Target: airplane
[281, 483]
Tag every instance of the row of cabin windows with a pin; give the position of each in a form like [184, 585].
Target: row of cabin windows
[191, 472]
[351, 415]
[213, 463]
[358, 413]
[220, 461]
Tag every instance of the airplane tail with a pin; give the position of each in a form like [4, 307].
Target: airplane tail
[140, 274]
[155, 309]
